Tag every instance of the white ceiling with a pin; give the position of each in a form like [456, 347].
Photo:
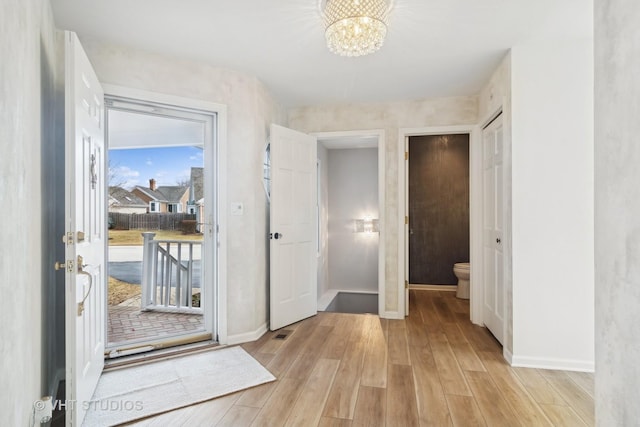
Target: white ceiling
[434, 47]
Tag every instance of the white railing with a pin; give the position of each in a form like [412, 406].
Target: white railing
[168, 274]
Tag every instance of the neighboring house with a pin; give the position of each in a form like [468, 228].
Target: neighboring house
[163, 199]
[124, 201]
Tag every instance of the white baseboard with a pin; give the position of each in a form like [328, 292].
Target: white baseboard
[247, 336]
[558, 364]
[508, 356]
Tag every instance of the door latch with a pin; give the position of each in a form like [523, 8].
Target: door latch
[65, 265]
[68, 238]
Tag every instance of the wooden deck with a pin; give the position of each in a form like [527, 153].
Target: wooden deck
[128, 323]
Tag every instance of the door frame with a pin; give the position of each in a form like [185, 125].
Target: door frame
[380, 135]
[475, 212]
[215, 319]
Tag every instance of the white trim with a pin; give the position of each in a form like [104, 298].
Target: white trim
[247, 336]
[392, 315]
[475, 212]
[508, 356]
[380, 134]
[218, 320]
[549, 363]
[442, 288]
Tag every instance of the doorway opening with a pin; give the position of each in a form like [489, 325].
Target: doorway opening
[350, 232]
[161, 260]
[438, 209]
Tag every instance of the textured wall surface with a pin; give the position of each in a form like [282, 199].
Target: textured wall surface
[27, 131]
[617, 215]
[353, 194]
[390, 117]
[250, 111]
[438, 207]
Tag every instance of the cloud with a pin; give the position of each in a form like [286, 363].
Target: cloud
[125, 171]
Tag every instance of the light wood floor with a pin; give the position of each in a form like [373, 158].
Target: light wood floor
[433, 369]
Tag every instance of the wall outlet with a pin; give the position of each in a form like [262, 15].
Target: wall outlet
[237, 208]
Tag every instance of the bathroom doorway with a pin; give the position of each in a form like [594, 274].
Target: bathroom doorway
[350, 198]
[438, 207]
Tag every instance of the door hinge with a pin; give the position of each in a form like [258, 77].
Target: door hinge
[406, 219]
[68, 238]
[406, 155]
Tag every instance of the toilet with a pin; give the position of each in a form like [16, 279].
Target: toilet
[461, 270]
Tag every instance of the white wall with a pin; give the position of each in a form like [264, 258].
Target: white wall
[552, 186]
[250, 112]
[353, 194]
[391, 117]
[29, 89]
[617, 216]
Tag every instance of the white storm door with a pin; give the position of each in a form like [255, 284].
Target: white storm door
[85, 229]
[293, 291]
[493, 301]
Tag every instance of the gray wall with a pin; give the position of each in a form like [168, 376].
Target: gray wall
[30, 143]
[352, 194]
[438, 207]
[617, 212]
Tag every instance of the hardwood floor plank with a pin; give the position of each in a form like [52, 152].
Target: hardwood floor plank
[337, 342]
[306, 360]
[572, 393]
[292, 347]
[401, 398]
[562, 416]
[442, 310]
[479, 337]
[464, 412]
[256, 397]
[398, 347]
[205, 413]
[341, 401]
[308, 408]
[374, 369]
[585, 380]
[371, 407]
[430, 399]
[513, 390]
[334, 422]
[465, 354]
[451, 376]
[238, 416]
[280, 403]
[539, 387]
[495, 409]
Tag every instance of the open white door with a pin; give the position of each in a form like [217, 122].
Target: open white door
[493, 301]
[85, 230]
[294, 294]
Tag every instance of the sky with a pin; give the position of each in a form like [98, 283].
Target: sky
[167, 165]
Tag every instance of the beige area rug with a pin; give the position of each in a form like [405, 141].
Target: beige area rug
[129, 394]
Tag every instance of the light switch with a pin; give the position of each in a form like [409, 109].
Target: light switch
[237, 208]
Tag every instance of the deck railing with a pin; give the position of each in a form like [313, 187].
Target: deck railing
[169, 276]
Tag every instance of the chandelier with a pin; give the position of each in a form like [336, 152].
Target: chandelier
[355, 27]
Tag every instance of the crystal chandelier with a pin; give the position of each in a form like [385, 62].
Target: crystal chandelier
[355, 27]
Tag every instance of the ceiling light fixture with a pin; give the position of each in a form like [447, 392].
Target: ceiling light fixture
[355, 27]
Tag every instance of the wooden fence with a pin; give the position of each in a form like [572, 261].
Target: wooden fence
[148, 221]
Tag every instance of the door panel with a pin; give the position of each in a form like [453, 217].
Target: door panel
[293, 292]
[493, 228]
[85, 296]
